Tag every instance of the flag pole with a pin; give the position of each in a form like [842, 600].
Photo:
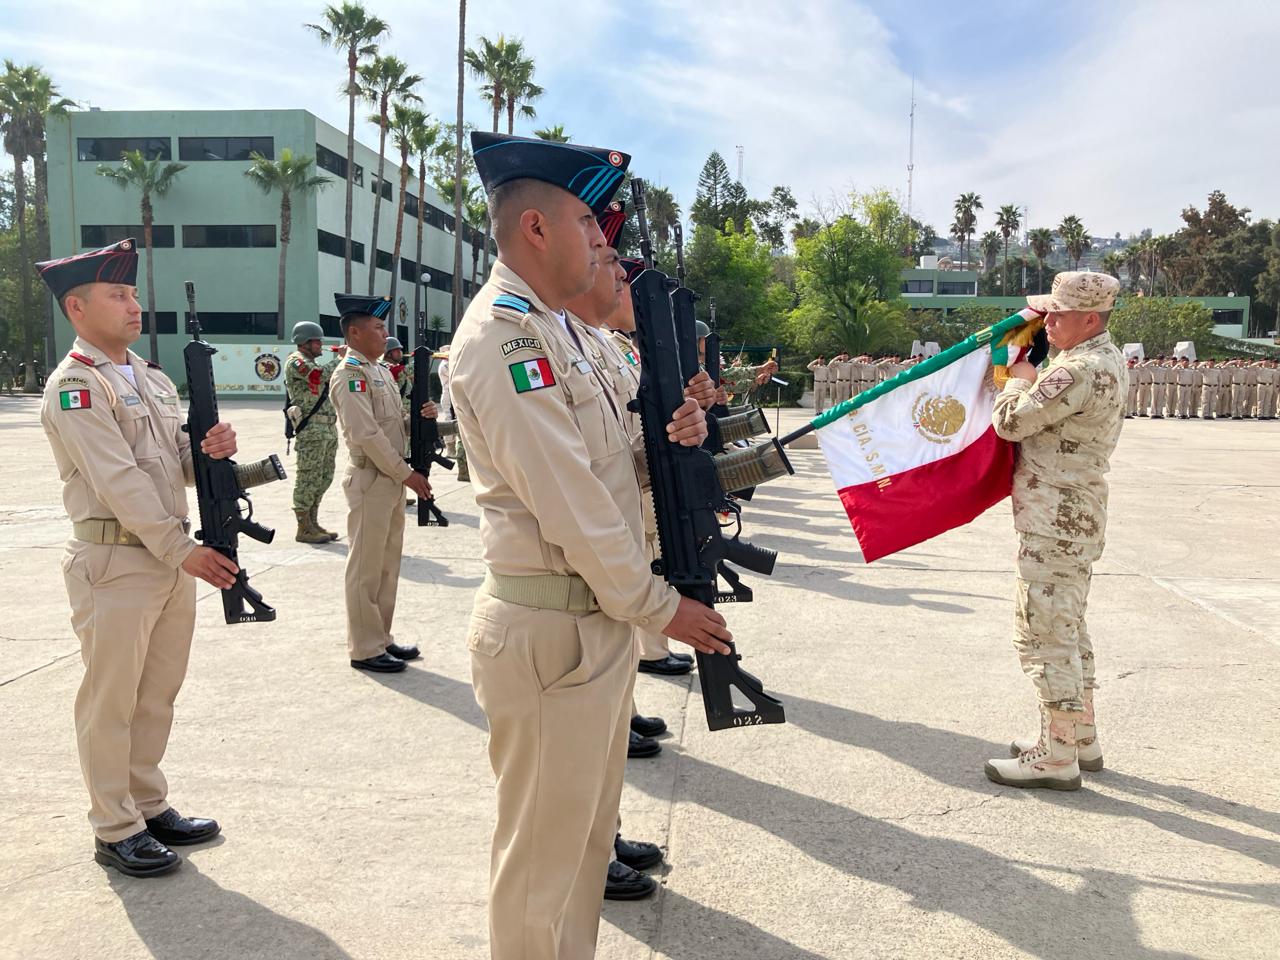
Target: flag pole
[991, 334]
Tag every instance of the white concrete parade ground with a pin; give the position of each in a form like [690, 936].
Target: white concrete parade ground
[357, 808]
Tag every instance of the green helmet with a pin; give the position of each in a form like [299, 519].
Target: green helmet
[392, 344]
[702, 328]
[305, 330]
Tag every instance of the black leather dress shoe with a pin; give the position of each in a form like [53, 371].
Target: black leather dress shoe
[639, 746]
[141, 855]
[382, 663]
[173, 829]
[627, 884]
[648, 726]
[686, 657]
[668, 666]
[636, 854]
[403, 653]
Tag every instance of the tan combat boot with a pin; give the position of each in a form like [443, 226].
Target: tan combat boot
[1088, 749]
[308, 532]
[315, 523]
[1050, 764]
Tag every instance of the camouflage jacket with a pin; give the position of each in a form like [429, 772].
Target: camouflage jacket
[303, 379]
[1068, 422]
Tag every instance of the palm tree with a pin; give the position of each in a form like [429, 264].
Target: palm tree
[381, 79]
[1113, 263]
[292, 177]
[664, 213]
[406, 124]
[1008, 219]
[554, 134]
[1133, 254]
[990, 247]
[350, 28]
[1041, 245]
[153, 180]
[1074, 238]
[456, 314]
[476, 212]
[425, 142]
[967, 207]
[28, 98]
[521, 92]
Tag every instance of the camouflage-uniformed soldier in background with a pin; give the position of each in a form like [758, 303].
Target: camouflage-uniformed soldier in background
[316, 438]
[1068, 421]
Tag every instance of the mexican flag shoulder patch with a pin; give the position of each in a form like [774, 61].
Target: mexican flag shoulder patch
[358, 386]
[74, 400]
[532, 375]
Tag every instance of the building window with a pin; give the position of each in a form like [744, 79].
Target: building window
[166, 322]
[1231, 318]
[963, 288]
[330, 324]
[94, 236]
[224, 235]
[332, 244]
[235, 323]
[917, 286]
[110, 149]
[336, 163]
[409, 270]
[386, 189]
[225, 148]
[384, 261]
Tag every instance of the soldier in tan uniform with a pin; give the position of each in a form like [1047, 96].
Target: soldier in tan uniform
[1187, 379]
[115, 422]
[562, 532]
[1143, 375]
[1159, 386]
[1067, 421]
[1131, 401]
[373, 428]
[1268, 379]
[1211, 377]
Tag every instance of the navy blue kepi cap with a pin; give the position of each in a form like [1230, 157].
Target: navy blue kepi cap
[357, 303]
[117, 263]
[591, 174]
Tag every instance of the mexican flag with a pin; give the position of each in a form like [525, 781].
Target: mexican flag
[74, 400]
[917, 455]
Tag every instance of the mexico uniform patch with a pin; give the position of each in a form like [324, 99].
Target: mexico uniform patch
[74, 400]
[532, 375]
[358, 386]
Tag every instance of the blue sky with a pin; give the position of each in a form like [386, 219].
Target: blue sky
[1119, 113]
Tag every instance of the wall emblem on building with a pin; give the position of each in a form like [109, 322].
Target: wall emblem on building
[267, 366]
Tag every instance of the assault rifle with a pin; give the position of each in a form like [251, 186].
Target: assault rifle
[222, 484]
[425, 446]
[687, 494]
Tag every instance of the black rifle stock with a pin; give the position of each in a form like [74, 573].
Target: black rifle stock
[222, 484]
[688, 497]
[425, 446]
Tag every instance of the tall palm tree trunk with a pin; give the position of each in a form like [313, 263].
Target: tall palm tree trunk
[395, 255]
[1005, 288]
[417, 260]
[377, 200]
[43, 251]
[29, 384]
[457, 169]
[148, 217]
[488, 227]
[286, 231]
[352, 61]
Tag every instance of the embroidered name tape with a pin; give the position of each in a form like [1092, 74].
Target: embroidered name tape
[532, 375]
[521, 343]
[74, 400]
[131, 399]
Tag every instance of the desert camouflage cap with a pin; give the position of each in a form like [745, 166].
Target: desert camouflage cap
[1078, 290]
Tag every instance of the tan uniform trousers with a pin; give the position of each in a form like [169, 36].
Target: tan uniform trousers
[1144, 398]
[1131, 403]
[375, 537]
[556, 689]
[1248, 400]
[1267, 401]
[1186, 399]
[1209, 408]
[1050, 635]
[134, 617]
[1158, 392]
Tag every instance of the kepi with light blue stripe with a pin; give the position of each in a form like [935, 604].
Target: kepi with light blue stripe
[591, 174]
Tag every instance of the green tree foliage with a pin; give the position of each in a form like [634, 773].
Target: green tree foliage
[737, 270]
[712, 197]
[1159, 323]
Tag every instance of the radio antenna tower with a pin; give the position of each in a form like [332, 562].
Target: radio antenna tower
[739, 149]
[911, 151]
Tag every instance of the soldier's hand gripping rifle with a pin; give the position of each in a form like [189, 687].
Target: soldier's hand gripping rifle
[425, 445]
[687, 494]
[221, 485]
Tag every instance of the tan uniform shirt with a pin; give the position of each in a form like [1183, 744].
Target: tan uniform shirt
[551, 460]
[120, 450]
[367, 401]
[1068, 422]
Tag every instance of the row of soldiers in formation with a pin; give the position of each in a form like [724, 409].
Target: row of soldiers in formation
[1186, 389]
[844, 377]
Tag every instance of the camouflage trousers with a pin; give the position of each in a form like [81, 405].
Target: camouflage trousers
[1050, 635]
[317, 448]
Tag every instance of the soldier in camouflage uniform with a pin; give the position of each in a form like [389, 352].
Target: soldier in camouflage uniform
[1067, 421]
[317, 441]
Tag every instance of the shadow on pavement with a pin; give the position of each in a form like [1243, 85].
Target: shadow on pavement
[435, 691]
[187, 916]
